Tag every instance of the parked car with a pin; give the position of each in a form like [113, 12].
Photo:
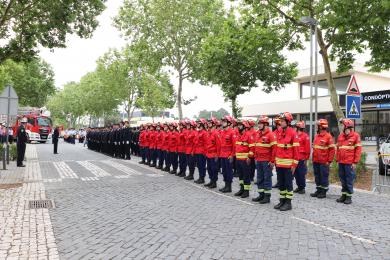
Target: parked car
[384, 155]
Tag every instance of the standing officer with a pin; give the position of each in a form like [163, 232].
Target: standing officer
[181, 148]
[21, 142]
[323, 154]
[304, 155]
[189, 149]
[349, 149]
[286, 160]
[199, 149]
[56, 134]
[263, 151]
[226, 153]
[212, 150]
[127, 137]
[243, 158]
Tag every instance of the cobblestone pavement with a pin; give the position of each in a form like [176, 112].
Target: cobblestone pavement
[114, 209]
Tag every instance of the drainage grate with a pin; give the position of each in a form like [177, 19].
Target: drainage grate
[40, 204]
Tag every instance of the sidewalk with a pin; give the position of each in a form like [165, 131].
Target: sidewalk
[24, 233]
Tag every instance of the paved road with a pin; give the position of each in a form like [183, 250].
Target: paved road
[108, 208]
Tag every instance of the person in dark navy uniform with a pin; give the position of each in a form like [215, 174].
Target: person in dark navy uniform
[21, 142]
[56, 134]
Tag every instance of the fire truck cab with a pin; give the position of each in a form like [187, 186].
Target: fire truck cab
[38, 128]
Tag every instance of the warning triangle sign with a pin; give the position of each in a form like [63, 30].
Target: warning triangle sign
[353, 88]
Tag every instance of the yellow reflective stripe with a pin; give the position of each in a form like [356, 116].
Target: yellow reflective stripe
[241, 182]
[295, 144]
[242, 143]
[239, 154]
[247, 187]
[262, 145]
[274, 143]
[251, 145]
[296, 162]
[285, 145]
[282, 192]
[358, 145]
[267, 191]
[250, 153]
[321, 147]
[332, 145]
[260, 190]
[347, 147]
[281, 160]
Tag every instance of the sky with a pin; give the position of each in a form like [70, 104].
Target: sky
[80, 56]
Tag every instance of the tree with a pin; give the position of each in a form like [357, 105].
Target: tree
[173, 31]
[156, 94]
[345, 28]
[240, 55]
[24, 25]
[33, 81]
[220, 113]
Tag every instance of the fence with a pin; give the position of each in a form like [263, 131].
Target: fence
[382, 173]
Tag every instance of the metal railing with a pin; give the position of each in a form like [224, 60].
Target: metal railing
[382, 176]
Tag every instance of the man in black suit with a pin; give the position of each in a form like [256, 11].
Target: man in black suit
[22, 139]
[56, 135]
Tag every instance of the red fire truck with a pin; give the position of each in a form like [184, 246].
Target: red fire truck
[39, 124]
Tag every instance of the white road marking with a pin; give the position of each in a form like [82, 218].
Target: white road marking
[121, 167]
[89, 178]
[97, 171]
[345, 234]
[64, 170]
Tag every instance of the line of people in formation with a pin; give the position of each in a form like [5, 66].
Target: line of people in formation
[235, 145]
[119, 140]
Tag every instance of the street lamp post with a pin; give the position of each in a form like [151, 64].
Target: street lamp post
[313, 30]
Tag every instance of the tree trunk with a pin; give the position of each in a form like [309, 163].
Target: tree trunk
[179, 94]
[329, 78]
[234, 107]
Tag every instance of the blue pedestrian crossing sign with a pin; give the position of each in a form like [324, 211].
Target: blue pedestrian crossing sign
[353, 107]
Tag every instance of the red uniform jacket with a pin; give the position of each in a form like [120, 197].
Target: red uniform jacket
[241, 148]
[349, 148]
[166, 138]
[173, 141]
[152, 139]
[181, 147]
[227, 137]
[304, 146]
[264, 145]
[323, 148]
[287, 149]
[142, 138]
[189, 145]
[159, 139]
[213, 144]
[200, 142]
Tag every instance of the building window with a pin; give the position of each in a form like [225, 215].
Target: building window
[341, 86]
[384, 117]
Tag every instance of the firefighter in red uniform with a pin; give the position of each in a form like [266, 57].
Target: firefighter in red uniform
[153, 145]
[189, 149]
[251, 130]
[147, 143]
[276, 130]
[181, 148]
[199, 149]
[304, 155]
[243, 158]
[226, 154]
[286, 160]
[142, 144]
[349, 149]
[160, 140]
[212, 149]
[263, 150]
[165, 147]
[235, 131]
[323, 155]
[173, 142]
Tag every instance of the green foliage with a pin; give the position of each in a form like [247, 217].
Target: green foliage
[240, 55]
[33, 81]
[173, 31]
[25, 25]
[220, 113]
[12, 152]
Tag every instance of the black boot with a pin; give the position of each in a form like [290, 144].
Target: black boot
[200, 180]
[173, 172]
[315, 194]
[245, 194]
[259, 198]
[227, 188]
[348, 200]
[266, 198]
[322, 194]
[166, 169]
[300, 190]
[281, 202]
[213, 185]
[182, 174]
[342, 198]
[241, 191]
[190, 176]
[153, 165]
[286, 206]
[141, 162]
[208, 184]
[159, 167]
